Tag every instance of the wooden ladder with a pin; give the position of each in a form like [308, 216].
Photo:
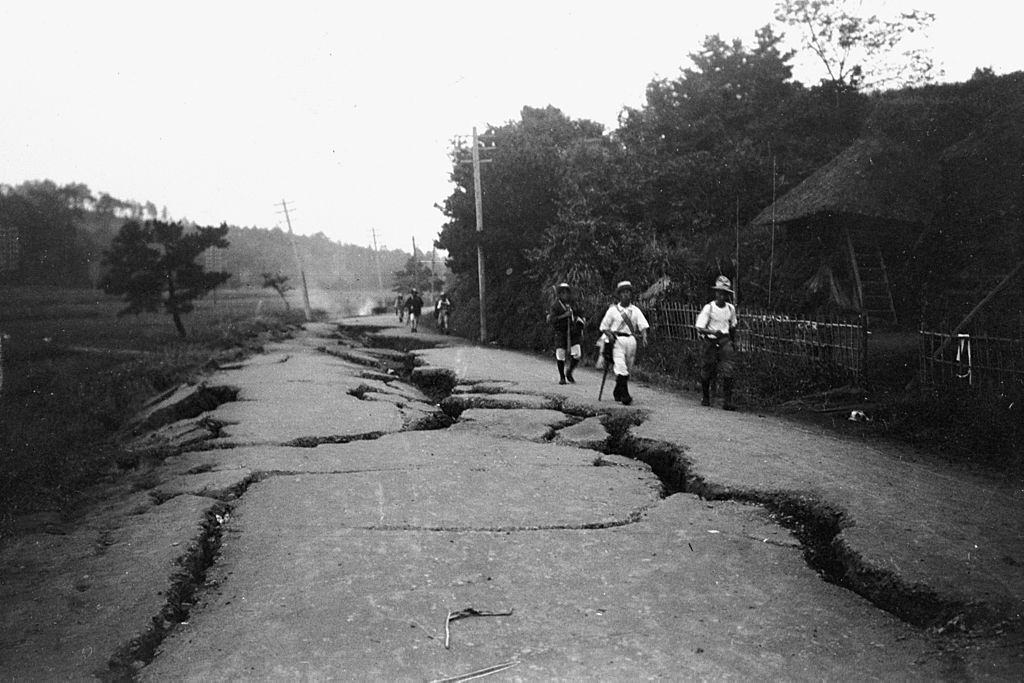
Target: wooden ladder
[874, 292]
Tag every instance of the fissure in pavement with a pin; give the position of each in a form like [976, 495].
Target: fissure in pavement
[816, 524]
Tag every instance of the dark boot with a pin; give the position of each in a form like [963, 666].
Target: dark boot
[561, 371]
[705, 389]
[572, 366]
[617, 392]
[727, 403]
[624, 396]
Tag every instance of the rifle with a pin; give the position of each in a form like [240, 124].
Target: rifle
[604, 376]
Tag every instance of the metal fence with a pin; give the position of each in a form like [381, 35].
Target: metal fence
[993, 365]
[834, 342]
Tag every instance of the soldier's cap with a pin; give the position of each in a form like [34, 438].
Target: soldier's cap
[723, 284]
[563, 285]
[625, 284]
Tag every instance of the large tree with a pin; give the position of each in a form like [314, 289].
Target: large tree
[860, 51]
[521, 191]
[153, 265]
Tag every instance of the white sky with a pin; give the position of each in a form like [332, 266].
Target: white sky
[220, 109]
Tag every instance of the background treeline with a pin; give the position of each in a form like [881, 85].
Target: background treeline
[662, 195]
[54, 234]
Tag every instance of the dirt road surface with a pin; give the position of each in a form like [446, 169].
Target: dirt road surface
[354, 488]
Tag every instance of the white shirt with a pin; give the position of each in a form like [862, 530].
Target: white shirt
[613, 319]
[717, 319]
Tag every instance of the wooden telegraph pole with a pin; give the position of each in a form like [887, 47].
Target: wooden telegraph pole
[478, 197]
[298, 262]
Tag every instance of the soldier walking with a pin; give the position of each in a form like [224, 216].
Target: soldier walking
[567, 323]
[716, 325]
[622, 324]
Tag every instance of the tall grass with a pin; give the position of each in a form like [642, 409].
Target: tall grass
[74, 372]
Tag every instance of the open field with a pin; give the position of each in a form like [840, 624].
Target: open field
[74, 371]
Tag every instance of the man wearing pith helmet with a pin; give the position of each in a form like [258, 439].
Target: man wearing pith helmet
[621, 326]
[716, 325]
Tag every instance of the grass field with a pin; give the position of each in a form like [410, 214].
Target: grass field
[73, 372]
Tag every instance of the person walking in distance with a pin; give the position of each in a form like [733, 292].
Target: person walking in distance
[414, 307]
[400, 307]
[622, 324]
[442, 312]
[716, 325]
[567, 323]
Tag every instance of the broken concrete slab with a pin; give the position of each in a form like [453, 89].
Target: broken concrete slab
[186, 401]
[496, 387]
[590, 433]
[219, 484]
[526, 424]
[456, 403]
[71, 601]
[662, 598]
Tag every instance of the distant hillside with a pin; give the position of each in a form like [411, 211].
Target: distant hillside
[56, 235]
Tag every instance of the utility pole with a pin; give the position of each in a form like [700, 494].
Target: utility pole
[376, 258]
[479, 200]
[298, 262]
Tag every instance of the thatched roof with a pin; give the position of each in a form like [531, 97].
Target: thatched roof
[893, 172]
[874, 177]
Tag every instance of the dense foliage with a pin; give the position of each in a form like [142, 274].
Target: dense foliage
[660, 196]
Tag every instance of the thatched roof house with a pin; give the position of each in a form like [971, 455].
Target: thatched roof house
[942, 165]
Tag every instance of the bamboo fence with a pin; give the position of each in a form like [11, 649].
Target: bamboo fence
[993, 365]
[827, 341]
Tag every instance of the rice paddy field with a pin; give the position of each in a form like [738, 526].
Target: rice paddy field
[74, 371]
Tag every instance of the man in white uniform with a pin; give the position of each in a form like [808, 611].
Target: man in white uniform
[621, 326]
[716, 325]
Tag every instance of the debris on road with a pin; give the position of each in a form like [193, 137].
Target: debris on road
[479, 673]
[464, 613]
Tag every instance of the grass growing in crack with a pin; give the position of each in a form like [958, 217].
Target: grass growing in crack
[74, 372]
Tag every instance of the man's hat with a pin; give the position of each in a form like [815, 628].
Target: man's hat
[563, 285]
[414, 290]
[625, 284]
[722, 284]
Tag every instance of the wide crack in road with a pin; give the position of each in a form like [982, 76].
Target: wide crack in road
[364, 510]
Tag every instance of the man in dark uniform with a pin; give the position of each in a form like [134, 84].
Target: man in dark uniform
[567, 323]
[414, 305]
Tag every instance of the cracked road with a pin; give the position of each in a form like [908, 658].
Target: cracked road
[349, 510]
[343, 560]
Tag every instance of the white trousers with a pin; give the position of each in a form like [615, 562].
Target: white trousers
[623, 354]
[575, 351]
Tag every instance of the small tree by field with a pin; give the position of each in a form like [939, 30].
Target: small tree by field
[278, 283]
[153, 265]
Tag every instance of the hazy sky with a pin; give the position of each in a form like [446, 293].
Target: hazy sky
[220, 109]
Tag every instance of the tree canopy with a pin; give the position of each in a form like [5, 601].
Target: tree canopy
[153, 265]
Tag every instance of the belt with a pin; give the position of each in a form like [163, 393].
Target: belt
[623, 334]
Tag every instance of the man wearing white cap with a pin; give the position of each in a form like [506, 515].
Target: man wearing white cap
[621, 326]
[716, 324]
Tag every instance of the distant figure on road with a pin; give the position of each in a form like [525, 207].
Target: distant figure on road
[621, 326]
[442, 312]
[567, 323]
[414, 306]
[716, 324]
[400, 307]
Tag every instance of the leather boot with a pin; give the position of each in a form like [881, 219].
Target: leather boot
[727, 403]
[705, 388]
[624, 396]
[572, 366]
[617, 391]
[561, 371]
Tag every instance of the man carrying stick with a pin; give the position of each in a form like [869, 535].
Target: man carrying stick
[621, 326]
[567, 324]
